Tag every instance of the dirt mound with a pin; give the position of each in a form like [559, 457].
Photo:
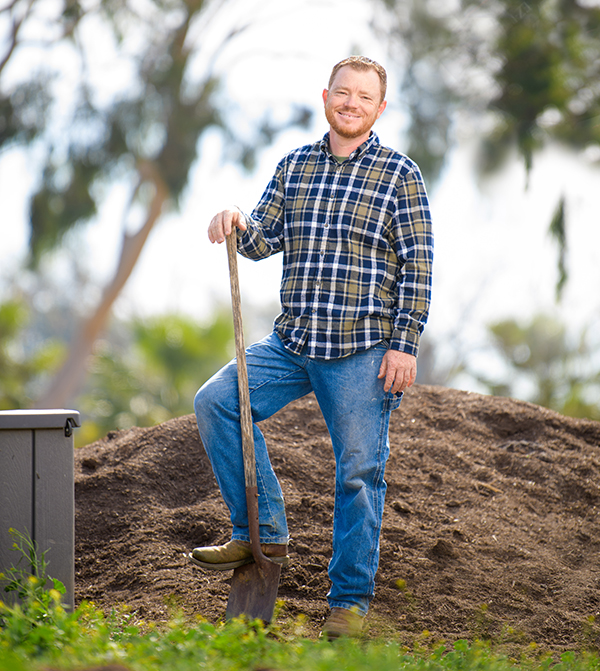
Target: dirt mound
[490, 527]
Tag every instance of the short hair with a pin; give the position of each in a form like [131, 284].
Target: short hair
[362, 63]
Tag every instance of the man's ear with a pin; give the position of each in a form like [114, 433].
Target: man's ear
[325, 94]
[381, 108]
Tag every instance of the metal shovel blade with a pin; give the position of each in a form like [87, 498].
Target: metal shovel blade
[253, 591]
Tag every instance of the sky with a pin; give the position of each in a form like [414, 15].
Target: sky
[494, 258]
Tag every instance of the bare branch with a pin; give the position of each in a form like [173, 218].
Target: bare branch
[16, 26]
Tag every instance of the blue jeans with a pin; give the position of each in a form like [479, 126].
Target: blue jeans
[356, 410]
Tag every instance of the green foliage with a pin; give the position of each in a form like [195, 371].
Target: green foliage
[175, 348]
[561, 375]
[547, 79]
[23, 112]
[88, 130]
[37, 611]
[144, 373]
[57, 207]
[425, 40]
[529, 70]
[159, 119]
[558, 232]
[154, 375]
[524, 74]
[37, 631]
[30, 589]
[18, 366]
[146, 132]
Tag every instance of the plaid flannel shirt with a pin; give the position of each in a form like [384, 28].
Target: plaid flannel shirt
[357, 244]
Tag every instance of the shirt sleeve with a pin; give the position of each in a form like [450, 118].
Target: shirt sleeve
[264, 234]
[413, 243]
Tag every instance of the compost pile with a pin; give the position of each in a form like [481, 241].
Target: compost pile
[490, 527]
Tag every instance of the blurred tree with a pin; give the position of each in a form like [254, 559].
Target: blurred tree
[143, 373]
[524, 74]
[18, 366]
[153, 374]
[140, 125]
[540, 357]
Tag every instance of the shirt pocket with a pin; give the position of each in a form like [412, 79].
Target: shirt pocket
[362, 232]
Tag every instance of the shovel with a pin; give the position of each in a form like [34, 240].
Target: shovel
[254, 586]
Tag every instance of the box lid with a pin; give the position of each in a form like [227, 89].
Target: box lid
[38, 419]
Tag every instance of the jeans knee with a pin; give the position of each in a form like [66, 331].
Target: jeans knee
[359, 480]
[216, 398]
[206, 402]
[200, 400]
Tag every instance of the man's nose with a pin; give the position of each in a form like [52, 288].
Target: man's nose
[352, 100]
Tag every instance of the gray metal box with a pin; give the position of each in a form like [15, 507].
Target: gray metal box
[37, 495]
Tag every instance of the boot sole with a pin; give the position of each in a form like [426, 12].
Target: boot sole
[227, 566]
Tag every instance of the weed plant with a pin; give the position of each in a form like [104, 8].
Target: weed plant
[38, 634]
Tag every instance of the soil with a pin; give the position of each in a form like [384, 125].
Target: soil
[490, 527]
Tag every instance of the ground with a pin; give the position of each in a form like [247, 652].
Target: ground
[490, 526]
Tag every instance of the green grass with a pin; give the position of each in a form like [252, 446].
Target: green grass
[37, 633]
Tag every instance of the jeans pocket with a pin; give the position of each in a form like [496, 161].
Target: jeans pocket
[392, 401]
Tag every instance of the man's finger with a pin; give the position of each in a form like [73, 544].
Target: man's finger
[223, 223]
[399, 382]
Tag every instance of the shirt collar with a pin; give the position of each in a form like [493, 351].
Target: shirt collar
[358, 152]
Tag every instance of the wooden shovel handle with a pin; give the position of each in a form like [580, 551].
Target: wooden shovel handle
[245, 412]
[240, 353]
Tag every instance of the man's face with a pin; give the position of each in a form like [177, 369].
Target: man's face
[353, 102]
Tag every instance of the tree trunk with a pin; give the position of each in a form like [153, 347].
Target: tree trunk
[67, 382]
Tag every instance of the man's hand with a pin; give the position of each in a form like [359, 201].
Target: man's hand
[223, 223]
[399, 370]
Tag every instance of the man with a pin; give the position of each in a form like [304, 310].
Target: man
[352, 220]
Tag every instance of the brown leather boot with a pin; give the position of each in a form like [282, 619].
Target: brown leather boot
[343, 622]
[236, 553]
